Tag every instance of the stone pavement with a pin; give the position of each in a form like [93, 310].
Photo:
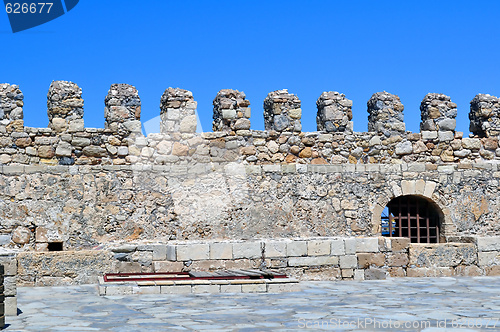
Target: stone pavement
[400, 304]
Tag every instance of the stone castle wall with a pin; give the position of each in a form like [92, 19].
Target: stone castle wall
[67, 141]
[88, 189]
[85, 206]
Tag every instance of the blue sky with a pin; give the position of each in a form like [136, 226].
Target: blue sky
[408, 48]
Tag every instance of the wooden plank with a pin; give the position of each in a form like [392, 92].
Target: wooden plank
[200, 274]
[262, 273]
[265, 273]
[250, 274]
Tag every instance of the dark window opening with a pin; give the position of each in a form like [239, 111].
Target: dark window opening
[55, 246]
[413, 217]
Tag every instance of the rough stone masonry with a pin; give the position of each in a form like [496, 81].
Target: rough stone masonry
[112, 199]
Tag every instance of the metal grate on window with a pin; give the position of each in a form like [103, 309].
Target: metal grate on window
[412, 217]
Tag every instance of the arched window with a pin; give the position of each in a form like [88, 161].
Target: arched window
[413, 217]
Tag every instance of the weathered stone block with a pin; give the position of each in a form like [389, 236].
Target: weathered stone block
[396, 272]
[180, 289]
[167, 266]
[146, 290]
[275, 249]
[253, 288]
[82, 266]
[171, 252]
[442, 255]
[247, 250]
[359, 275]
[230, 288]
[159, 252]
[313, 261]
[492, 270]
[429, 272]
[397, 259]
[338, 247]
[318, 247]
[119, 290]
[10, 306]
[348, 262]
[9, 263]
[375, 274]
[128, 267]
[221, 250]
[408, 187]
[488, 258]
[237, 264]
[296, 248]
[366, 244]
[208, 265]
[400, 244]
[366, 260]
[488, 243]
[10, 286]
[205, 289]
[350, 246]
[471, 143]
[468, 271]
[347, 273]
[384, 244]
[280, 288]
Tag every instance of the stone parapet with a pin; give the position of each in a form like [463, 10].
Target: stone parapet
[65, 107]
[484, 116]
[231, 112]
[282, 112]
[334, 112]
[68, 142]
[385, 114]
[122, 109]
[438, 115]
[11, 109]
[177, 111]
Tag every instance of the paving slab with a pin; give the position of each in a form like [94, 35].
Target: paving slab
[394, 304]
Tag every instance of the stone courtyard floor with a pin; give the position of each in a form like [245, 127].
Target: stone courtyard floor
[400, 304]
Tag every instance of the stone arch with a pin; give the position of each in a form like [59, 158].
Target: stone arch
[422, 188]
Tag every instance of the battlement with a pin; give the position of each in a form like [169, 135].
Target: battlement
[67, 141]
